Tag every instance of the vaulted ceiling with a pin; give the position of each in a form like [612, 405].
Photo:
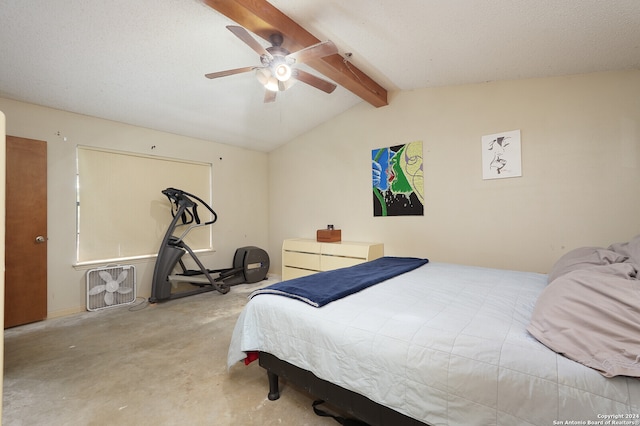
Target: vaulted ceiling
[143, 62]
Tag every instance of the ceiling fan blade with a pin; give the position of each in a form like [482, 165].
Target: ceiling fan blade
[319, 50]
[244, 35]
[314, 81]
[230, 72]
[269, 96]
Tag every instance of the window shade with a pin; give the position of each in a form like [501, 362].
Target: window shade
[121, 210]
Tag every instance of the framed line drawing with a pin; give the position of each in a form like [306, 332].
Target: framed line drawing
[501, 155]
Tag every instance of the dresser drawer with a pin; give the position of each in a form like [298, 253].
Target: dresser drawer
[306, 246]
[302, 257]
[289, 273]
[301, 260]
[348, 250]
[328, 263]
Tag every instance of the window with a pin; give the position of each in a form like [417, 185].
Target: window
[121, 211]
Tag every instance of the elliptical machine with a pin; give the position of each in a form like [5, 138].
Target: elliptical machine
[250, 264]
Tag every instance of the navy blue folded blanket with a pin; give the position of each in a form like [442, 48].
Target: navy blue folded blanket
[325, 287]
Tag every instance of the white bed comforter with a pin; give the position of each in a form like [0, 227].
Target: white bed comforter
[444, 344]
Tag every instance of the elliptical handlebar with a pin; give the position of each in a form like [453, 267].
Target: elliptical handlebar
[180, 200]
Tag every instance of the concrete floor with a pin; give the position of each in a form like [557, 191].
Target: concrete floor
[140, 364]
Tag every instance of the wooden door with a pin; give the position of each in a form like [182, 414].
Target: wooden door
[25, 232]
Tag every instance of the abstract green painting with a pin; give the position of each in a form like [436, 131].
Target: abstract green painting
[398, 180]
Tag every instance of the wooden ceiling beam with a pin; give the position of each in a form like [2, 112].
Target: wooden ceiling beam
[263, 19]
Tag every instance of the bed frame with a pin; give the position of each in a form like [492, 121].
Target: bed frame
[348, 401]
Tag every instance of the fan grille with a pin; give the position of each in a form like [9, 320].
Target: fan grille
[110, 286]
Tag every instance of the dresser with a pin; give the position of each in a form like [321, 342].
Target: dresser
[301, 257]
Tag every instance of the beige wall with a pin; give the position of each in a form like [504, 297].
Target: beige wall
[579, 184]
[580, 162]
[239, 190]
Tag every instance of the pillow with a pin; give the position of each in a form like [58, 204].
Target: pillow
[630, 249]
[582, 258]
[592, 316]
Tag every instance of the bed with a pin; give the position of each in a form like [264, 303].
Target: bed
[446, 344]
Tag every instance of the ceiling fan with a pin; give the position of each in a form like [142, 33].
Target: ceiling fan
[277, 72]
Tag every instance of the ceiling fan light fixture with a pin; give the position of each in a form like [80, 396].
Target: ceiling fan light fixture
[272, 84]
[266, 79]
[263, 75]
[282, 72]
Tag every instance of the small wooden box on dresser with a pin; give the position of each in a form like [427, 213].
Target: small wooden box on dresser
[301, 257]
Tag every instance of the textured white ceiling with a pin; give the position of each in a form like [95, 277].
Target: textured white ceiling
[143, 62]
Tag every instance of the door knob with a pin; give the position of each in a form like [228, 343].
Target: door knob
[40, 239]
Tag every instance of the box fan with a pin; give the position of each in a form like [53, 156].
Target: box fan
[111, 286]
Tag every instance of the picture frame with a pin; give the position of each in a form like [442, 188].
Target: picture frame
[502, 155]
